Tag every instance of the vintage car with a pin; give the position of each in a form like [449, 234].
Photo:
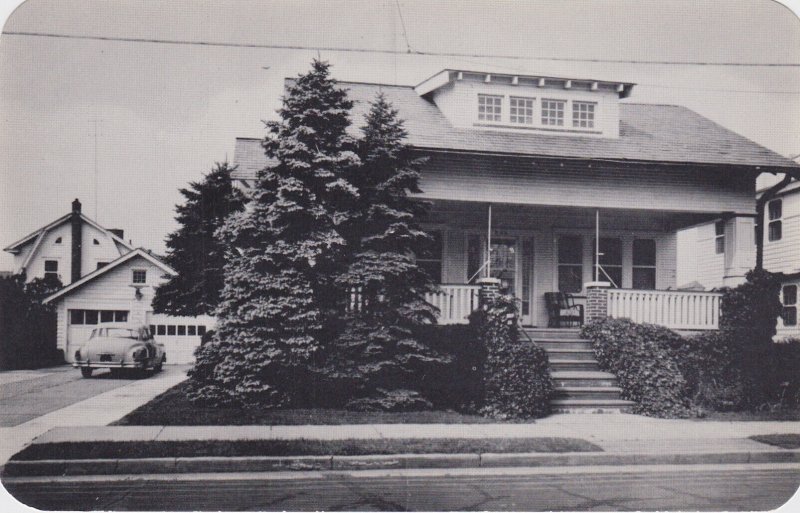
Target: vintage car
[119, 347]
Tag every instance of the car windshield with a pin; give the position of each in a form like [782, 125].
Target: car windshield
[119, 332]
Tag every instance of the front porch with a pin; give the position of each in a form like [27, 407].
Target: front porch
[535, 250]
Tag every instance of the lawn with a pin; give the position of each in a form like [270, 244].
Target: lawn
[301, 447]
[743, 416]
[172, 408]
[784, 441]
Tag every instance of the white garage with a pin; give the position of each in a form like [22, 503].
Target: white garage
[123, 291]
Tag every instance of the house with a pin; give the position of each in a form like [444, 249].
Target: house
[524, 172]
[122, 291]
[68, 248]
[781, 251]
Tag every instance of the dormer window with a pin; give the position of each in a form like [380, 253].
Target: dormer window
[489, 107]
[553, 112]
[583, 114]
[521, 110]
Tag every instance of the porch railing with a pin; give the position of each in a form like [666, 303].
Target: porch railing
[455, 302]
[683, 310]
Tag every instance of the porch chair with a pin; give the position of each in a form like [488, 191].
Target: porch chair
[562, 310]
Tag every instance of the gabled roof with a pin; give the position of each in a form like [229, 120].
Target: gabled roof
[648, 133]
[106, 268]
[15, 247]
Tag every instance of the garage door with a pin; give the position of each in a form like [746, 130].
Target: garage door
[180, 335]
[81, 322]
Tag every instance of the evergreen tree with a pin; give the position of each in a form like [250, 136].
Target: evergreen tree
[193, 250]
[286, 247]
[377, 350]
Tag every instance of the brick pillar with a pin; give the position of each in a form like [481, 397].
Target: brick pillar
[489, 291]
[596, 301]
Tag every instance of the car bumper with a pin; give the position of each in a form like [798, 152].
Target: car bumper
[112, 365]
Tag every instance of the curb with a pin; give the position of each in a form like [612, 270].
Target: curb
[198, 465]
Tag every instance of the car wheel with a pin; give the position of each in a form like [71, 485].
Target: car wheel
[116, 373]
[86, 372]
[159, 366]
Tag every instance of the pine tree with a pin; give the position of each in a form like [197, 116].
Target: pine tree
[193, 250]
[285, 248]
[377, 350]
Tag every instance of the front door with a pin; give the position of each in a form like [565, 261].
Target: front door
[511, 263]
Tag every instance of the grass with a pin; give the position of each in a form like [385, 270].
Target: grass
[790, 413]
[784, 441]
[301, 447]
[172, 408]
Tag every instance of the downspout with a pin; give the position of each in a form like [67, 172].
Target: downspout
[761, 202]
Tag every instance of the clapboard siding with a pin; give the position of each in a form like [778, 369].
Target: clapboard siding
[784, 255]
[586, 184]
[114, 287]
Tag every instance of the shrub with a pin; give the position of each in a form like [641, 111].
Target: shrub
[639, 355]
[787, 372]
[516, 374]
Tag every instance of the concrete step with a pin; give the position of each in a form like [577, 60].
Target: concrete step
[591, 405]
[583, 379]
[588, 392]
[553, 333]
[572, 364]
[570, 354]
[563, 344]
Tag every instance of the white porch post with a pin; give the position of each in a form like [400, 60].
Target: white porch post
[740, 249]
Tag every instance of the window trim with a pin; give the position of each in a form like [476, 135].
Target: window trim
[562, 102]
[591, 114]
[133, 276]
[524, 108]
[775, 221]
[789, 306]
[496, 107]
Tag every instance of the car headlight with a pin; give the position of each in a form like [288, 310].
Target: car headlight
[78, 354]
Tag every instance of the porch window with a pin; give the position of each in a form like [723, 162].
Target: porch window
[789, 300]
[611, 260]
[431, 262]
[644, 264]
[570, 263]
[489, 107]
[553, 112]
[521, 110]
[775, 230]
[583, 114]
[719, 234]
[51, 268]
[475, 258]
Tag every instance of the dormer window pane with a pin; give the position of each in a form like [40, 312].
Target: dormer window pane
[553, 112]
[583, 114]
[489, 107]
[521, 110]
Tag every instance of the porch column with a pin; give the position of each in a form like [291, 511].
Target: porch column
[596, 301]
[740, 249]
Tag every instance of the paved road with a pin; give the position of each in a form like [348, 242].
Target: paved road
[729, 488]
[25, 395]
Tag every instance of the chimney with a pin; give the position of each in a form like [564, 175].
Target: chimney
[118, 232]
[77, 240]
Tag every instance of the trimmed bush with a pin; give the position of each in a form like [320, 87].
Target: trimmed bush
[638, 355]
[516, 374]
[787, 372]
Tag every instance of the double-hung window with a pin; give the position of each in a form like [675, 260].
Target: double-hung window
[489, 107]
[570, 263]
[719, 237]
[139, 276]
[775, 227]
[644, 264]
[431, 261]
[521, 111]
[789, 300]
[611, 260]
[51, 268]
[553, 112]
[583, 114]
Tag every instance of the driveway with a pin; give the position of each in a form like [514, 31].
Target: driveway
[32, 402]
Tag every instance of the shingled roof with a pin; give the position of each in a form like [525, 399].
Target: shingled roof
[648, 133]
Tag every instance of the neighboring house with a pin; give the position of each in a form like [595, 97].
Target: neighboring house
[781, 250]
[70, 247]
[122, 291]
[540, 160]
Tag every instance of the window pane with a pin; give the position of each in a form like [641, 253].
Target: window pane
[91, 316]
[51, 266]
[139, 276]
[201, 330]
[76, 316]
[107, 316]
[719, 228]
[611, 252]
[720, 245]
[474, 257]
[613, 272]
[170, 329]
[570, 249]
[553, 112]
[644, 278]
[152, 329]
[162, 329]
[775, 209]
[521, 110]
[192, 330]
[775, 230]
[570, 278]
[644, 252]
[790, 295]
[489, 107]
[120, 316]
[583, 114]
[789, 316]
[182, 330]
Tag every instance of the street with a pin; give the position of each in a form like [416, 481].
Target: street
[705, 488]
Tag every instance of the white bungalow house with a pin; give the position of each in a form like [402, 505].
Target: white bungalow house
[528, 169]
[68, 248]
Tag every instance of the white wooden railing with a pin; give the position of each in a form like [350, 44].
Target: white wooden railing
[455, 302]
[682, 310]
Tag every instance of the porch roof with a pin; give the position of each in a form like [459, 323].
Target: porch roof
[648, 133]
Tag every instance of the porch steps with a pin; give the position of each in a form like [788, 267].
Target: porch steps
[581, 387]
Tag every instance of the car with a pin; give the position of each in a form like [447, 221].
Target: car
[119, 347]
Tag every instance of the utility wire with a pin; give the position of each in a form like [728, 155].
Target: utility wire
[403, 24]
[395, 52]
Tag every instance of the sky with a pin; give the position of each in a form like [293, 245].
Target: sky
[123, 125]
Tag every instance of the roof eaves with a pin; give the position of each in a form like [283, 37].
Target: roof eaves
[14, 247]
